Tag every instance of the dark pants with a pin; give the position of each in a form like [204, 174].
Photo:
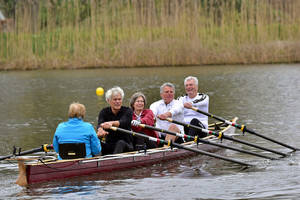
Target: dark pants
[113, 148]
[140, 142]
[178, 140]
[194, 132]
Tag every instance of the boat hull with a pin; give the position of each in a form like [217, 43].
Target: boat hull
[61, 170]
[53, 170]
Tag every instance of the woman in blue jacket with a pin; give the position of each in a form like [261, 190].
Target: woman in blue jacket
[75, 130]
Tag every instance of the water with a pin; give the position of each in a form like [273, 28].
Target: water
[265, 97]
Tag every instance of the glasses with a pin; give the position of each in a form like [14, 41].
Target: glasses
[139, 101]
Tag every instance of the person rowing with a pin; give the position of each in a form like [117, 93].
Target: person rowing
[144, 116]
[168, 107]
[118, 116]
[193, 98]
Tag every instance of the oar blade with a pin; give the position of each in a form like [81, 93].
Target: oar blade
[244, 128]
[44, 147]
[218, 135]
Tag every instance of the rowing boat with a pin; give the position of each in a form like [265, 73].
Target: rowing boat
[37, 171]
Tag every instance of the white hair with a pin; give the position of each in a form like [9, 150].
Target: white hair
[191, 78]
[114, 91]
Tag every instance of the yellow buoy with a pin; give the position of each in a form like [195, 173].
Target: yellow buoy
[99, 91]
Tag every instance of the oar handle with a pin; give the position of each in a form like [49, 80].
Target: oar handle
[170, 143]
[208, 114]
[165, 131]
[219, 135]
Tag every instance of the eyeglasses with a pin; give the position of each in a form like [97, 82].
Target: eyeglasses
[139, 101]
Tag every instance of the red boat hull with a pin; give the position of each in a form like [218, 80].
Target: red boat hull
[65, 169]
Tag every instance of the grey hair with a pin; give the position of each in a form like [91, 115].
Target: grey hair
[134, 97]
[191, 78]
[167, 84]
[114, 91]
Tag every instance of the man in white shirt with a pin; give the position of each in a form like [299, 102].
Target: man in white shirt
[194, 99]
[168, 107]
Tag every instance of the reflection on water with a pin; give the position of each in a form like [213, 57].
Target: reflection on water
[266, 98]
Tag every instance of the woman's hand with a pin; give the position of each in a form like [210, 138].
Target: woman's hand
[135, 123]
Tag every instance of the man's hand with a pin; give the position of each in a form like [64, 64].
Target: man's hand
[106, 125]
[188, 105]
[101, 132]
[164, 116]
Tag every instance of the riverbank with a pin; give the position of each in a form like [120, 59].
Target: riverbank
[92, 34]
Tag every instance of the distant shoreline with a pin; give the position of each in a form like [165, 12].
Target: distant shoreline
[266, 56]
[132, 67]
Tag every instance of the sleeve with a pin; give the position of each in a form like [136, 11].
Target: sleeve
[101, 118]
[125, 119]
[180, 99]
[207, 103]
[135, 128]
[95, 142]
[204, 104]
[148, 118]
[177, 108]
[55, 140]
[154, 109]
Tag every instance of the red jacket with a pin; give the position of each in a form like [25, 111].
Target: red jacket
[147, 117]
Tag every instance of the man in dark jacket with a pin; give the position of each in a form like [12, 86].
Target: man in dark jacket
[118, 116]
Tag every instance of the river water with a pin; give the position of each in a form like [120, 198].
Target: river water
[265, 97]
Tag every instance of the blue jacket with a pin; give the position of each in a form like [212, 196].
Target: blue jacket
[75, 130]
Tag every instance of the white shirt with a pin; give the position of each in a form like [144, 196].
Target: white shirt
[174, 107]
[200, 101]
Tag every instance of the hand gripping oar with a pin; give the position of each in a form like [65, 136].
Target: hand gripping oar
[222, 136]
[44, 147]
[243, 128]
[170, 143]
[197, 139]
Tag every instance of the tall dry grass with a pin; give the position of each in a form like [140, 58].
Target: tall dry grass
[101, 33]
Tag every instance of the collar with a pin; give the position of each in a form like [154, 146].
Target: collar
[75, 119]
[169, 104]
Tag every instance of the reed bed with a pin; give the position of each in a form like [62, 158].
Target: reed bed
[106, 33]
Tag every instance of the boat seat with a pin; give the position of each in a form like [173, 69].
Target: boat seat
[72, 150]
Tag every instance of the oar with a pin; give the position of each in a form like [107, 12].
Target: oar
[243, 128]
[197, 139]
[170, 143]
[221, 135]
[44, 147]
